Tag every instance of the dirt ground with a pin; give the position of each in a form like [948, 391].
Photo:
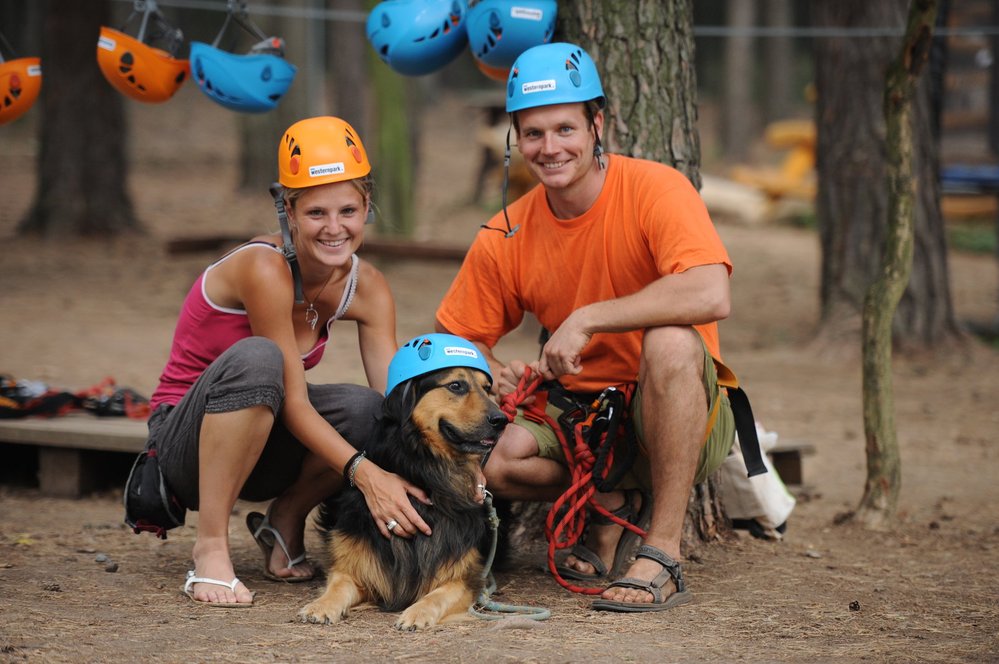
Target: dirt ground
[74, 312]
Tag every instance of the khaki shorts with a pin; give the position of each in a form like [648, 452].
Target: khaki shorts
[713, 452]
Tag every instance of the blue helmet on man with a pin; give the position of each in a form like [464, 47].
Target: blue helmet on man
[557, 73]
[430, 352]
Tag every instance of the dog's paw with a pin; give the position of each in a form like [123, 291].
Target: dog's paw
[319, 613]
[415, 618]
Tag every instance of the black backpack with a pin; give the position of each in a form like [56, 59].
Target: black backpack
[150, 505]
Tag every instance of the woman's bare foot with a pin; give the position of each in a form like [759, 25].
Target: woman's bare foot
[291, 528]
[211, 561]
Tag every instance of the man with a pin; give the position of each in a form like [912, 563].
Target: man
[619, 259]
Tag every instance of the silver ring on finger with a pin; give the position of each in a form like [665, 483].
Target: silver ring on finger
[391, 524]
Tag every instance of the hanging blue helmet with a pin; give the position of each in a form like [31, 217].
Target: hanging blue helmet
[500, 30]
[558, 73]
[430, 352]
[252, 83]
[417, 37]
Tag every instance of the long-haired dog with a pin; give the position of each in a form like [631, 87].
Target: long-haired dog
[436, 429]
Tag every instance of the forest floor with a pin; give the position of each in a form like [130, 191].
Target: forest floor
[925, 589]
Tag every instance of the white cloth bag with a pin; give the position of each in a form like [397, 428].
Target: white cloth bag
[763, 498]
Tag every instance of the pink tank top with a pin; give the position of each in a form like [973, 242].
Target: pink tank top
[205, 330]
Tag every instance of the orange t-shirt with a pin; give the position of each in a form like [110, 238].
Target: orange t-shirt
[648, 222]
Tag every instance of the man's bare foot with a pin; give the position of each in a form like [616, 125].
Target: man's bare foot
[603, 539]
[213, 563]
[647, 568]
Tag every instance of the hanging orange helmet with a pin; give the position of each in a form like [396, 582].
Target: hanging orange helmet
[20, 83]
[137, 70]
[318, 151]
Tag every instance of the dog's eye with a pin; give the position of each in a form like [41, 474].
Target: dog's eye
[458, 387]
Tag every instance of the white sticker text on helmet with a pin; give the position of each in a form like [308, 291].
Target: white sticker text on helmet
[528, 13]
[538, 86]
[458, 350]
[322, 170]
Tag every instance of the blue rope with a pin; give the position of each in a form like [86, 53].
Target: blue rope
[483, 604]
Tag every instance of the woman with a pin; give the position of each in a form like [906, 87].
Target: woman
[233, 414]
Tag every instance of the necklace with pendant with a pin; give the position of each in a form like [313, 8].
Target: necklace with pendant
[311, 315]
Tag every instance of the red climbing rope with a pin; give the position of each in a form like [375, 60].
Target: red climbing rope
[566, 519]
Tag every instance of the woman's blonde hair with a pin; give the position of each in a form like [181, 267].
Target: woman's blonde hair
[364, 185]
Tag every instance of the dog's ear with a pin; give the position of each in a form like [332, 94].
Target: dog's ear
[399, 404]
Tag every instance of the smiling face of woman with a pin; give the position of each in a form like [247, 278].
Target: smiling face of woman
[328, 222]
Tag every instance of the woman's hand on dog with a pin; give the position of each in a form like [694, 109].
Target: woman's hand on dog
[387, 496]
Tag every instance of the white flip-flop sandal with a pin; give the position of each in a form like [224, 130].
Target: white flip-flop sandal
[231, 585]
[267, 537]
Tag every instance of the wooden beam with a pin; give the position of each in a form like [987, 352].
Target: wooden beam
[374, 247]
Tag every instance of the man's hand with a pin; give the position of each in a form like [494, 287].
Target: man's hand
[560, 355]
[508, 378]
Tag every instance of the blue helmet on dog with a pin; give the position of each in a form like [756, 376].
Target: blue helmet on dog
[417, 37]
[558, 73]
[430, 352]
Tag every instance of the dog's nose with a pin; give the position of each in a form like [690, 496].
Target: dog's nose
[498, 420]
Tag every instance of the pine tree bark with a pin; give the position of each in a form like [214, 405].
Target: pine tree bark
[82, 166]
[852, 204]
[880, 499]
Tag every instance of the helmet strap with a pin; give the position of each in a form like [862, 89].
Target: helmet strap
[598, 148]
[288, 246]
[171, 38]
[509, 232]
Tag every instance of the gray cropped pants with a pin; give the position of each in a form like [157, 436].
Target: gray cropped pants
[251, 373]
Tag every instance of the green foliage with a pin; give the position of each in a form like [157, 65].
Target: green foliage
[972, 236]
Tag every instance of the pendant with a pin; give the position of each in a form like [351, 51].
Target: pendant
[311, 316]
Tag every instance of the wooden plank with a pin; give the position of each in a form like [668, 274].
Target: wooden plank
[371, 247]
[86, 432]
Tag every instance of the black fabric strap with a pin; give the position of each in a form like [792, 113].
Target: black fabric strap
[745, 426]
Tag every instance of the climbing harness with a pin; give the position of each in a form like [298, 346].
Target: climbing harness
[485, 608]
[590, 458]
[595, 430]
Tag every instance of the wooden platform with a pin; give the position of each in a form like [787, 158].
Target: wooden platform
[787, 459]
[70, 447]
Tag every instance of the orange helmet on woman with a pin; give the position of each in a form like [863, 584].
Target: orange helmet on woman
[20, 83]
[315, 151]
[137, 69]
[320, 150]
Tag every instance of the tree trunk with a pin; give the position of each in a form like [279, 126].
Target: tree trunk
[779, 77]
[739, 125]
[82, 169]
[260, 132]
[852, 205]
[880, 500]
[644, 50]
[391, 150]
[348, 68]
